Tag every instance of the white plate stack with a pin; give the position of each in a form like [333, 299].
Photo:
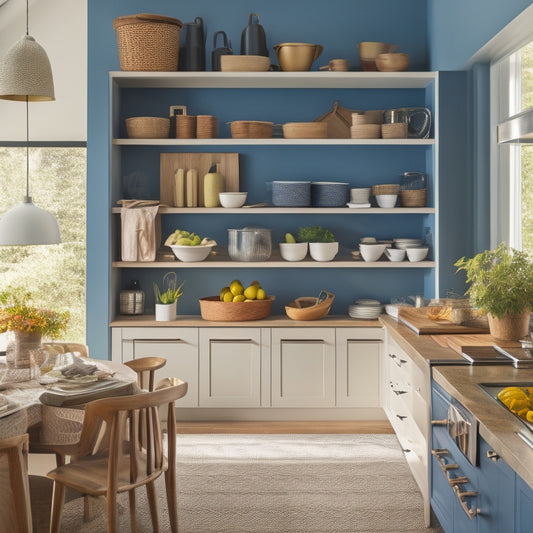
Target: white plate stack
[365, 309]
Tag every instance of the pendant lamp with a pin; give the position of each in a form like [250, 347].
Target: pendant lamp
[26, 75]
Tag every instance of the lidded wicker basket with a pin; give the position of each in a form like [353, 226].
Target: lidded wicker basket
[148, 42]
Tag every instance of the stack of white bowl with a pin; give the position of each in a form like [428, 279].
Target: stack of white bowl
[365, 309]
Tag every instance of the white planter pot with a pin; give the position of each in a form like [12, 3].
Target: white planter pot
[165, 312]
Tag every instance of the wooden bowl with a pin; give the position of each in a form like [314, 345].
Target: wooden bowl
[392, 62]
[235, 63]
[309, 307]
[211, 308]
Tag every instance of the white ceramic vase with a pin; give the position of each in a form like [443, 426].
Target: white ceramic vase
[165, 312]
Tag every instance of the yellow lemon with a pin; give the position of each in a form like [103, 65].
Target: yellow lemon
[248, 300]
[236, 288]
[261, 294]
[235, 281]
[238, 298]
[223, 291]
[250, 293]
[228, 297]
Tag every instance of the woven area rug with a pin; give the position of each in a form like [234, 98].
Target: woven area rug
[281, 483]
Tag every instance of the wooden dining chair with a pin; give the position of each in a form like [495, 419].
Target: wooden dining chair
[66, 347]
[146, 367]
[15, 508]
[129, 455]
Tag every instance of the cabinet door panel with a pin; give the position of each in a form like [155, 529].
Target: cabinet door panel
[303, 368]
[230, 367]
[358, 373]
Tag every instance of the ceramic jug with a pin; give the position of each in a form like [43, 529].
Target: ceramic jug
[253, 39]
[223, 50]
[192, 50]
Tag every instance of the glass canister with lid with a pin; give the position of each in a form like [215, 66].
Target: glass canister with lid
[132, 299]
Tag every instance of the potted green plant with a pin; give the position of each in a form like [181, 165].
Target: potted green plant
[501, 285]
[166, 297]
[29, 322]
[322, 243]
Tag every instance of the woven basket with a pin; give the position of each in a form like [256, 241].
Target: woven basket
[305, 130]
[398, 130]
[211, 308]
[185, 127]
[251, 129]
[388, 188]
[366, 131]
[413, 198]
[206, 127]
[148, 42]
[245, 63]
[148, 127]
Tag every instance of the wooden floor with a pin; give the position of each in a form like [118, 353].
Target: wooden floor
[287, 427]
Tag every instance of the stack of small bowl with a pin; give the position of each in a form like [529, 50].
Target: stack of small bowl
[386, 194]
[365, 309]
[413, 247]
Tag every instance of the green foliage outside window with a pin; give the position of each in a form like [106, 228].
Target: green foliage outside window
[527, 152]
[54, 274]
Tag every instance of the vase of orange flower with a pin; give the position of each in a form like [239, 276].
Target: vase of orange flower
[29, 323]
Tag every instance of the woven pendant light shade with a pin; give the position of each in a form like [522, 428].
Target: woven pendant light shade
[25, 71]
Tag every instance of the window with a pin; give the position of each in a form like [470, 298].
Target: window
[55, 274]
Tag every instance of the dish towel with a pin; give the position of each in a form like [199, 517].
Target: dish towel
[140, 229]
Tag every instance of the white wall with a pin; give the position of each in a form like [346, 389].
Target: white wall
[60, 27]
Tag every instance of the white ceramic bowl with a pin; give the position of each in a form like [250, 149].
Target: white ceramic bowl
[407, 243]
[416, 254]
[323, 251]
[395, 254]
[293, 251]
[371, 252]
[386, 200]
[189, 254]
[232, 199]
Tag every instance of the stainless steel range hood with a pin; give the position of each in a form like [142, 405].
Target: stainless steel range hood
[517, 129]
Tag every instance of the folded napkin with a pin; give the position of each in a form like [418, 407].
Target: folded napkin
[79, 398]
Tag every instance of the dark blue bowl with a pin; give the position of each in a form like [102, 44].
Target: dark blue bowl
[291, 193]
[329, 193]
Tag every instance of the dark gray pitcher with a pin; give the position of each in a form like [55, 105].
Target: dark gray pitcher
[253, 39]
[192, 49]
[223, 50]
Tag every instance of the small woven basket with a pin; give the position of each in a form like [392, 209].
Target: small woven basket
[413, 198]
[251, 129]
[211, 308]
[148, 127]
[388, 188]
[206, 127]
[305, 130]
[148, 42]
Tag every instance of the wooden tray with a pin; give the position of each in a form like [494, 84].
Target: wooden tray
[459, 343]
[418, 320]
[169, 163]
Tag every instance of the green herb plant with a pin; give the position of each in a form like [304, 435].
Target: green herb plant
[314, 234]
[170, 292]
[501, 281]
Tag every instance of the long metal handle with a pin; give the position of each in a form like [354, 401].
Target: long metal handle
[302, 341]
[470, 511]
[397, 359]
[399, 392]
[439, 422]
[157, 341]
[401, 417]
[232, 341]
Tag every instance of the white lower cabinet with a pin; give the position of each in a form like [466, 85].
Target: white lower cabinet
[179, 346]
[303, 367]
[230, 367]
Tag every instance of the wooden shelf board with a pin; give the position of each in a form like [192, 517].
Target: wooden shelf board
[290, 211]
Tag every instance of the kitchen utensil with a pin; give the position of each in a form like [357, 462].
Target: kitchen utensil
[219, 51]
[418, 120]
[253, 38]
[323, 251]
[211, 308]
[305, 130]
[169, 162]
[232, 199]
[291, 193]
[418, 320]
[293, 251]
[388, 201]
[229, 63]
[148, 42]
[369, 50]
[309, 307]
[192, 53]
[340, 65]
[297, 56]
[392, 62]
[329, 193]
[249, 244]
[132, 299]
[147, 127]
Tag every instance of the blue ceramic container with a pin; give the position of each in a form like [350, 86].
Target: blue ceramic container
[329, 193]
[291, 193]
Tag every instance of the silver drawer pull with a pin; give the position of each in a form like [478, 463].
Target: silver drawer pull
[157, 341]
[303, 341]
[401, 417]
[406, 450]
[470, 512]
[392, 356]
[232, 341]
[492, 455]
[399, 392]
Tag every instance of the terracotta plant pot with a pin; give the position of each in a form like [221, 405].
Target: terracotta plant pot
[510, 328]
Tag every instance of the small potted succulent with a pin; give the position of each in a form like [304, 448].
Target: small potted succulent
[322, 243]
[501, 285]
[166, 298]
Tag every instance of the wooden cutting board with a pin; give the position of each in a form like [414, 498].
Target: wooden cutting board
[202, 162]
[417, 319]
[458, 343]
